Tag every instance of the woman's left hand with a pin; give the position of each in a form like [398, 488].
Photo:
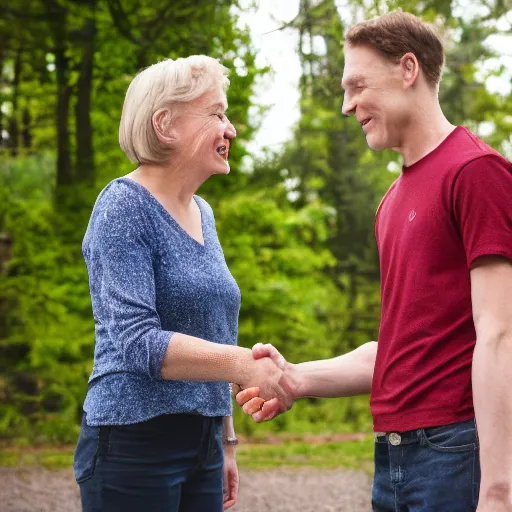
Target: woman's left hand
[230, 479]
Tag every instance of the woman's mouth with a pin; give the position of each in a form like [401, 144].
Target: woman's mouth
[223, 151]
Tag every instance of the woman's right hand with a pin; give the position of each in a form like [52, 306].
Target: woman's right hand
[274, 377]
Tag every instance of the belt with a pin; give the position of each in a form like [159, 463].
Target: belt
[408, 437]
[398, 438]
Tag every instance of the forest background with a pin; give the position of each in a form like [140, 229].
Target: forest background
[295, 223]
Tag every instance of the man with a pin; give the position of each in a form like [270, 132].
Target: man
[444, 234]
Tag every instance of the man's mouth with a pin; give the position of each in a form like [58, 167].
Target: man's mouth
[364, 122]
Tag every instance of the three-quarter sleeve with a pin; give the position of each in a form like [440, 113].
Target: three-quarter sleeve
[123, 283]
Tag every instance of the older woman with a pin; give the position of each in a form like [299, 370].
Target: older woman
[158, 406]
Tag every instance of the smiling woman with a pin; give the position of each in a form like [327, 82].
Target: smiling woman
[156, 96]
[158, 407]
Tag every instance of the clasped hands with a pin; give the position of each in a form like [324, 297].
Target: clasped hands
[273, 387]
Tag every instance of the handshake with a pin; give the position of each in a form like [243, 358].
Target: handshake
[271, 384]
[268, 385]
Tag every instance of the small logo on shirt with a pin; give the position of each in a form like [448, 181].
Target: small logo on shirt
[412, 214]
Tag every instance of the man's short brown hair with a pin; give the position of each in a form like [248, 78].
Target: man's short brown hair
[397, 33]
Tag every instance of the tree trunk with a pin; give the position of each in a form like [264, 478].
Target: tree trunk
[26, 135]
[142, 58]
[58, 16]
[13, 125]
[84, 146]
[2, 142]
[64, 171]
[5, 251]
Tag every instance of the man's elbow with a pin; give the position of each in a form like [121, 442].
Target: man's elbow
[370, 353]
[366, 355]
[498, 338]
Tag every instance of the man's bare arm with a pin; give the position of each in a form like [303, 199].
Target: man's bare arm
[491, 293]
[346, 375]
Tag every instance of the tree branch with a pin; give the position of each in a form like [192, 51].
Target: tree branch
[120, 20]
[290, 24]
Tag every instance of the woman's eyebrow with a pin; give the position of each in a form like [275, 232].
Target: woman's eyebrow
[216, 106]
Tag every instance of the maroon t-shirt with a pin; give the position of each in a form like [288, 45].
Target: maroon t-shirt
[447, 209]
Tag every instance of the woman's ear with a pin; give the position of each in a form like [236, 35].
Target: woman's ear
[163, 127]
[410, 68]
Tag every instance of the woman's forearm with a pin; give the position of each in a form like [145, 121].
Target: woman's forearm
[190, 358]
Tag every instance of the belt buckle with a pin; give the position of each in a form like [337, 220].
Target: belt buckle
[395, 438]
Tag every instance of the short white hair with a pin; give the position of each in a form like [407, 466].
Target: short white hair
[161, 86]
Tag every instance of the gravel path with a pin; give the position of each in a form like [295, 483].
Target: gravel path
[279, 490]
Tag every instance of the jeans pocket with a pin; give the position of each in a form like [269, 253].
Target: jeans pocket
[455, 438]
[86, 451]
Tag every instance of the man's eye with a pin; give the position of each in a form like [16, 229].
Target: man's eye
[221, 116]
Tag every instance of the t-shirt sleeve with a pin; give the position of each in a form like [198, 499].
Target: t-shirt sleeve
[123, 287]
[482, 204]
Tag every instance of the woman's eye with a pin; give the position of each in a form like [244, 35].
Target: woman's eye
[221, 116]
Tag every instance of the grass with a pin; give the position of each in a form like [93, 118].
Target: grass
[294, 453]
[51, 458]
[348, 454]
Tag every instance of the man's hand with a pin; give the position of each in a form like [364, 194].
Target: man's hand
[251, 399]
[265, 373]
[494, 506]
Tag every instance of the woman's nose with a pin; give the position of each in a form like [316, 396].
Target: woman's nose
[229, 131]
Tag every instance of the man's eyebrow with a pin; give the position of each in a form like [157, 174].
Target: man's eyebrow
[347, 82]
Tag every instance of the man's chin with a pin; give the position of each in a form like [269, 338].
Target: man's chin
[375, 144]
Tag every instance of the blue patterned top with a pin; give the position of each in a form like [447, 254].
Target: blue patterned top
[149, 279]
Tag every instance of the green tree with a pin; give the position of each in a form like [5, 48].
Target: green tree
[69, 63]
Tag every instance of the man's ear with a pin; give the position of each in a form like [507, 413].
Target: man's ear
[410, 69]
[163, 127]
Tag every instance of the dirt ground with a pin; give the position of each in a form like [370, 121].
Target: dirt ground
[280, 490]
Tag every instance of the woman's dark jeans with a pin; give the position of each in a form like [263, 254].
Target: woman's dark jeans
[427, 470]
[171, 463]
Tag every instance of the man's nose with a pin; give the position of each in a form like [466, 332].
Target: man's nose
[349, 106]
[229, 131]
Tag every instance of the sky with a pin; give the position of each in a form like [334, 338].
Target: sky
[280, 89]
[277, 48]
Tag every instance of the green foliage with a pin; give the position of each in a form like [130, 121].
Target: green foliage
[286, 296]
[278, 256]
[47, 329]
[46, 336]
[297, 232]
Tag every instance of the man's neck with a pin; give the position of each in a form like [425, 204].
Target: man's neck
[425, 132]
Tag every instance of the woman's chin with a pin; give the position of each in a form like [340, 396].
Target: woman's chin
[222, 168]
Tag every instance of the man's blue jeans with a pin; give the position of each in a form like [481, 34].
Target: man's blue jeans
[171, 463]
[427, 470]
